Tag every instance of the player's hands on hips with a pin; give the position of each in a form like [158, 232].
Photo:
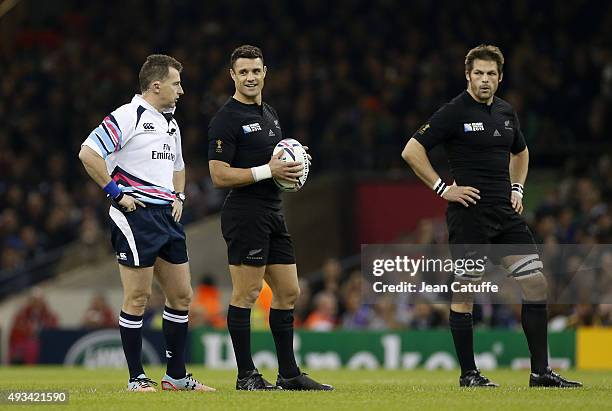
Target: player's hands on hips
[461, 194]
[177, 210]
[289, 171]
[517, 202]
[129, 203]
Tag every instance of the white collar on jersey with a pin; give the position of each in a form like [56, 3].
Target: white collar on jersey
[140, 100]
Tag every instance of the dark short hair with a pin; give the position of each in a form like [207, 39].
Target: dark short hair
[156, 67]
[484, 52]
[247, 52]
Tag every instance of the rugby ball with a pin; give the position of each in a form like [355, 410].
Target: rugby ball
[293, 152]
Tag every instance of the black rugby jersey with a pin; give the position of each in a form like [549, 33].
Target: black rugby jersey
[244, 136]
[478, 140]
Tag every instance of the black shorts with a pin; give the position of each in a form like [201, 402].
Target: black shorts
[472, 230]
[257, 237]
[140, 236]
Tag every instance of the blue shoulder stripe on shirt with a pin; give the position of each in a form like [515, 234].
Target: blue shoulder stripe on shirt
[103, 133]
[100, 142]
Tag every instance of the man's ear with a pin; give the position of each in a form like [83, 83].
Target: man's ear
[467, 76]
[232, 74]
[501, 77]
[265, 70]
[155, 86]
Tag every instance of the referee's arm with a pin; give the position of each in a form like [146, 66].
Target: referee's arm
[94, 165]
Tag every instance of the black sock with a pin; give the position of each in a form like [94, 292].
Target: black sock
[175, 323]
[534, 318]
[463, 337]
[281, 325]
[130, 328]
[239, 326]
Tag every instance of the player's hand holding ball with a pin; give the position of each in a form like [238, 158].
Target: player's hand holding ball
[290, 164]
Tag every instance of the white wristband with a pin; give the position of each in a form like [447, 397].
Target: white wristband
[261, 173]
[440, 187]
[518, 189]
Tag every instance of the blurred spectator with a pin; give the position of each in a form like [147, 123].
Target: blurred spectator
[323, 317]
[206, 306]
[34, 316]
[99, 314]
[302, 305]
[425, 316]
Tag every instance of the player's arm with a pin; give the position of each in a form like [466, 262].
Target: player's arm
[223, 137]
[519, 166]
[437, 130]
[225, 176]
[95, 166]
[416, 156]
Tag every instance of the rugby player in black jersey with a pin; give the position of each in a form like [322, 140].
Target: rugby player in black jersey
[489, 161]
[242, 136]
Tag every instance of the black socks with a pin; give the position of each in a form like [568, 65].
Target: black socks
[281, 325]
[239, 326]
[534, 318]
[130, 327]
[463, 336]
[174, 325]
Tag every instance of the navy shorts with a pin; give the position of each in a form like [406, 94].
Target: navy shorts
[472, 230]
[140, 236]
[256, 237]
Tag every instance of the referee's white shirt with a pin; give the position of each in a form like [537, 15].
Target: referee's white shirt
[142, 150]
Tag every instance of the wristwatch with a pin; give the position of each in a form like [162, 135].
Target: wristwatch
[181, 196]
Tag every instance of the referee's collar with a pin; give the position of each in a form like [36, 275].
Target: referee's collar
[140, 100]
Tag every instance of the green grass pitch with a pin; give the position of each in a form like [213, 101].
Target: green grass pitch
[355, 390]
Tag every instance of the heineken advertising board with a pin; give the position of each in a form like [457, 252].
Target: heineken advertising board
[391, 350]
[316, 350]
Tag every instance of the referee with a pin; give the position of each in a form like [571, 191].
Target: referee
[242, 136]
[135, 155]
[489, 161]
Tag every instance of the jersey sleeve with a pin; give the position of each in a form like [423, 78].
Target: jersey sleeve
[222, 139]
[438, 129]
[518, 144]
[179, 163]
[111, 134]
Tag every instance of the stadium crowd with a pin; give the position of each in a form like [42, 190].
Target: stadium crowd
[353, 89]
[352, 94]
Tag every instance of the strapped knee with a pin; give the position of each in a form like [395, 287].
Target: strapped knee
[527, 266]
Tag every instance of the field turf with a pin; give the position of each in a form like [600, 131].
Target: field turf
[355, 390]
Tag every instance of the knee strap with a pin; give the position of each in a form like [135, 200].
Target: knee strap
[528, 265]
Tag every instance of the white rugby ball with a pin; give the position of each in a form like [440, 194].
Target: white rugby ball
[293, 152]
